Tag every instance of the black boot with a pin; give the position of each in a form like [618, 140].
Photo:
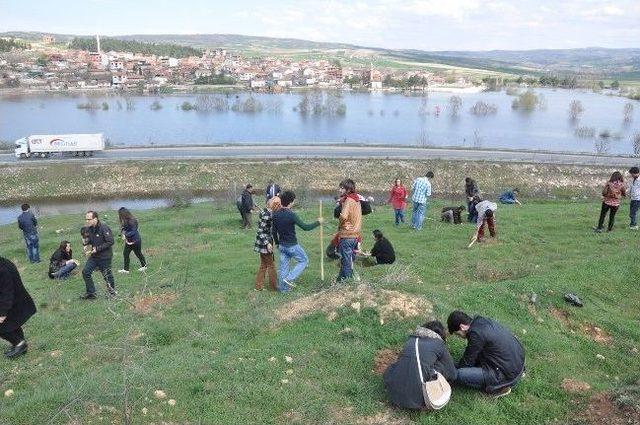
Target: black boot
[17, 350]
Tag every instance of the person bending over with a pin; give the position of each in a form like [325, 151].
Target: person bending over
[493, 360]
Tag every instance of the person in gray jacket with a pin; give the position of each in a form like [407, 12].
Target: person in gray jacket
[634, 196]
[494, 358]
[29, 225]
[402, 378]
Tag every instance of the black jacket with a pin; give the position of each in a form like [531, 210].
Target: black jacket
[383, 251]
[15, 301]
[59, 259]
[247, 202]
[495, 349]
[402, 379]
[276, 191]
[471, 189]
[101, 238]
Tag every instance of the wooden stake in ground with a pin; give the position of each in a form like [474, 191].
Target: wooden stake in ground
[321, 247]
[473, 240]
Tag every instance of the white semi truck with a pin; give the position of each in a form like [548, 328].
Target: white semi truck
[43, 145]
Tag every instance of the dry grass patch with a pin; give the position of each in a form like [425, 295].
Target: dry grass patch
[144, 305]
[347, 416]
[383, 359]
[574, 385]
[389, 304]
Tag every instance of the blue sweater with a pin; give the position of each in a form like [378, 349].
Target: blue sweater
[284, 225]
[27, 223]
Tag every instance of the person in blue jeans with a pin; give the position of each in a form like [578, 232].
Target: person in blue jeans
[29, 225]
[510, 197]
[420, 193]
[284, 224]
[494, 359]
[62, 263]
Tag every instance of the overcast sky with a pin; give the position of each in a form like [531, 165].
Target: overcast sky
[418, 24]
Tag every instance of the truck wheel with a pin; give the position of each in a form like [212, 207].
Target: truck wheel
[90, 153]
[76, 153]
[43, 155]
[23, 156]
[84, 154]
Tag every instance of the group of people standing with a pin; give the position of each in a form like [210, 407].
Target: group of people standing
[17, 306]
[613, 192]
[277, 228]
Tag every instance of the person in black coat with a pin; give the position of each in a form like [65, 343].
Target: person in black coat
[382, 250]
[16, 307]
[246, 206]
[99, 236]
[493, 360]
[402, 378]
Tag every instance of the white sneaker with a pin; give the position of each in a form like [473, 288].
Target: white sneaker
[142, 269]
[123, 271]
[633, 227]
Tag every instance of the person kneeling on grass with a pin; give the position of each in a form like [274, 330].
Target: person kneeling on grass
[494, 358]
[284, 223]
[510, 197]
[382, 250]
[62, 263]
[452, 214]
[402, 378]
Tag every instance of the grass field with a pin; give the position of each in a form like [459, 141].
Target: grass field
[194, 328]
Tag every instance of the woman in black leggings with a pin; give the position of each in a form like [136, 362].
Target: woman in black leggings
[131, 238]
[16, 307]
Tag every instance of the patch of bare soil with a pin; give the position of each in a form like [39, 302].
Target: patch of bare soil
[592, 331]
[574, 386]
[383, 359]
[144, 305]
[602, 410]
[389, 304]
[596, 334]
[560, 315]
[388, 417]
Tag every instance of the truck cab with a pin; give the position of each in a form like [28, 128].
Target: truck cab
[22, 148]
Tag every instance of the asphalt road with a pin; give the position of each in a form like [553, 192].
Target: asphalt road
[357, 152]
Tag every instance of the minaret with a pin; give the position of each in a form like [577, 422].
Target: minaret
[98, 42]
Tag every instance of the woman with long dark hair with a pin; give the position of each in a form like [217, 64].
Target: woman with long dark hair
[62, 263]
[612, 192]
[398, 200]
[132, 239]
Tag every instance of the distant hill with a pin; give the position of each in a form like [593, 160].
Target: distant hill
[596, 61]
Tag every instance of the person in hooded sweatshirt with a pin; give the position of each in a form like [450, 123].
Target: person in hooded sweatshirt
[349, 226]
[402, 378]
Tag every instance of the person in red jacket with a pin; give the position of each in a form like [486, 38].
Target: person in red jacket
[398, 200]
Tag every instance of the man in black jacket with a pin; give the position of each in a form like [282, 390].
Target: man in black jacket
[246, 206]
[493, 360]
[16, 307]
[100, 237]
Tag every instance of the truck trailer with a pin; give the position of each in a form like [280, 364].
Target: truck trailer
[43, 145]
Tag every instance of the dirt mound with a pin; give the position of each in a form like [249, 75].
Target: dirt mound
[596, 334]
[574, 386]
[383, 359]
[602, 410]
[144, 305]
[561, 315]
[389, 304]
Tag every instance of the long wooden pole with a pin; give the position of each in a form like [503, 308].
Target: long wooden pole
[321, 247]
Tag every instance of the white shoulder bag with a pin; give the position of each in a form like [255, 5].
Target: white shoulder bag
[436, 393]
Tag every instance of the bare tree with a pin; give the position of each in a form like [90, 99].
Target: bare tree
[628, 112]
[636, 144]
[455, 103]
[575, 110]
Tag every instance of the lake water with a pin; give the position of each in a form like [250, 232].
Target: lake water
[370, 118]
[9, 214]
